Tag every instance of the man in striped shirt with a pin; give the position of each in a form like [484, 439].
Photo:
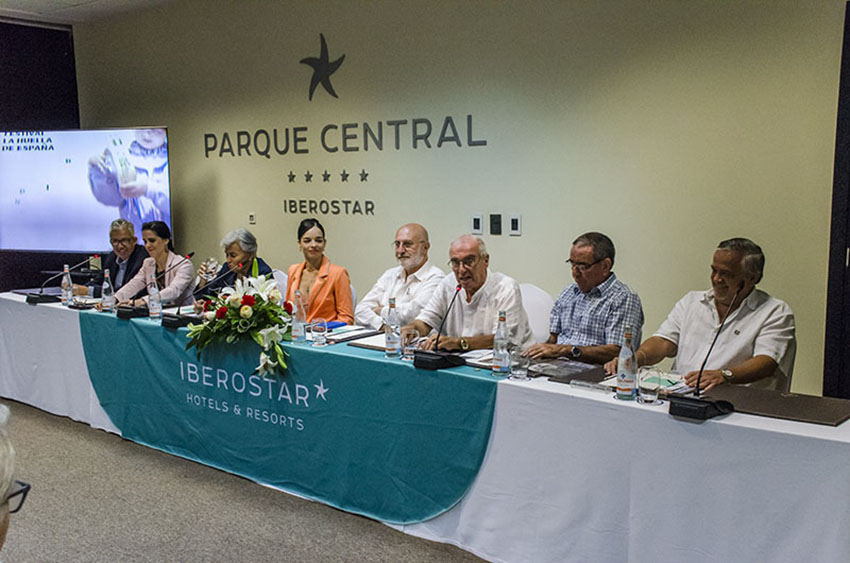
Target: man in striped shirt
[589, 318]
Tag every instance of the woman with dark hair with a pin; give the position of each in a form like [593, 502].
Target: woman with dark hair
[174, 274]
[325, 287]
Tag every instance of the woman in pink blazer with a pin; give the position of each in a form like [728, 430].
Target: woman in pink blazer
[325, 287]
[175, 275]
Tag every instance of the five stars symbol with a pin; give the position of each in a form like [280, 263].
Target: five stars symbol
[308, 177]
[322, 69]
[326, 176]
[363, 175]
[291, 176]
[321, 390]
[344, 175]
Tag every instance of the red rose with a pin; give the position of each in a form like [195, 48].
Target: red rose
[220, 314]
[207, 305]
[249, 300]
[287, 306]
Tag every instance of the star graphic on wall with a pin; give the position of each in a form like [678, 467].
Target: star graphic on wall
[308, 177]
[344, 175]
[321, 390]
[363, 175]
[326, 176]
[291, 176]
[322, 69]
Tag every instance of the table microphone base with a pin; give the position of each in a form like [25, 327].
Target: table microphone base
[698, 409]
[431, 360]
[125, 312]
[36, 298]
[172, 320]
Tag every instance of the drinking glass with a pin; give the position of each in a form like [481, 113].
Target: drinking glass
[319, 329]
[409, 343]
[211, 268]
[519, 364]
[648, 382]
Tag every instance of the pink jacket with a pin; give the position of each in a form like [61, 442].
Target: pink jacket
[179, 282]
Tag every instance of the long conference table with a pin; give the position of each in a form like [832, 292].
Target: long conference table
[510, 471]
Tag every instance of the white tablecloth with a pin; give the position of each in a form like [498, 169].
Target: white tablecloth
[569, 475]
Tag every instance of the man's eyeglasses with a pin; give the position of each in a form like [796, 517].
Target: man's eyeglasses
[468, 262]
[405, 244]
[581, 266]
[18, 495]
[117, 241]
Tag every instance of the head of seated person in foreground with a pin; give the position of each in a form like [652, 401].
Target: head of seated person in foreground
[174, 275]
[757, 344]
[325, 288]
[589, 319]
[411, 283]
[240, 261]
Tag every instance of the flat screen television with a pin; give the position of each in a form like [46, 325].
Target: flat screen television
[60, 190]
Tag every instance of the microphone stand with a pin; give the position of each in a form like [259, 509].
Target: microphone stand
[176, 320]
[36, 298]
[434, 359]
[695, 407]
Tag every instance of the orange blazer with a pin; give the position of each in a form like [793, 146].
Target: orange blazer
[330, 296]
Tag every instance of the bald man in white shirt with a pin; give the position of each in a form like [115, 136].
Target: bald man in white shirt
[412, 282]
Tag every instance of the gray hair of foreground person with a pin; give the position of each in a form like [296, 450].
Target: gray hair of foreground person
[247, 241]
[752, 260]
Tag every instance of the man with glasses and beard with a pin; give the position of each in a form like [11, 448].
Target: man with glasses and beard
[589, 318]
[412, 282]
[479, 295]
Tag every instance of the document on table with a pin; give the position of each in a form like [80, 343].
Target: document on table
[351, 332]
[479, 358]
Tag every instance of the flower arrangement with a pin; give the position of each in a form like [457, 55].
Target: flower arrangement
[247, 311]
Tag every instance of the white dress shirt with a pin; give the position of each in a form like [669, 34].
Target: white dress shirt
[480, 315]
[761, 326]
[411, 295]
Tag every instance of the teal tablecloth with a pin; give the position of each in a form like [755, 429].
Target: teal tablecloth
[344, 426]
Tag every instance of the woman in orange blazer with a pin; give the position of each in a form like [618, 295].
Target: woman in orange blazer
[325, 287]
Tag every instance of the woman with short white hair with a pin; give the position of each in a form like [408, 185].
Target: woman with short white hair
[241, 261]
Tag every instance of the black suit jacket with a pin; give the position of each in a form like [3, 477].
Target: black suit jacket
[134, 264]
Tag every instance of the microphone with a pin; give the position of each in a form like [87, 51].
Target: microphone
[695, 407]
[434, 359]
[182, 259]
[443, 321]
[215, 279]
[717, 335]
[35, 298]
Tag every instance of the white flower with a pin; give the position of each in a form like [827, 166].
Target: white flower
[266, 364]
[274, 295]
[271, 335]
[209, 316]
[246, 311]
[234, 300]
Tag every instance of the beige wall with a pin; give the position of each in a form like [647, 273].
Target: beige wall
[667, 125]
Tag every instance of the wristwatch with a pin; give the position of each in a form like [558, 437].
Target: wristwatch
[464, 345]
[575, 352]
[727, 375]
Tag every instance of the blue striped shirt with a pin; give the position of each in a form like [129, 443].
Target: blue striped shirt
[597, 317]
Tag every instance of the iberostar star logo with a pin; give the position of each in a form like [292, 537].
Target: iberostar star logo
[322, 69]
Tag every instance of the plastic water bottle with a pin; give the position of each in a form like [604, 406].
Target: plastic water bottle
[501, 355]
[107, 293]
[393, 332]
[298, 318]
[154, 299]
[626, 370]
[67, 287]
